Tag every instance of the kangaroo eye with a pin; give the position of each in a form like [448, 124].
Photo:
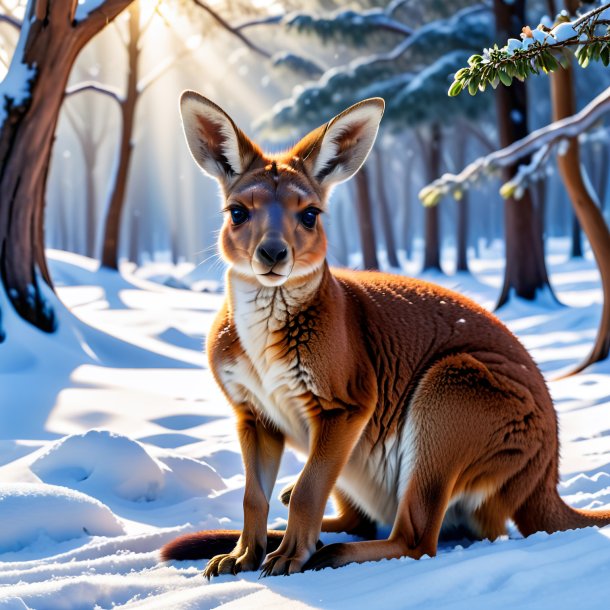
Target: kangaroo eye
[308, 217]
[239, 215]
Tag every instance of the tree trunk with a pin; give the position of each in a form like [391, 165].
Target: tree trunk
[112, 229]
[462, 207]
[365, 220]
[432, 244]
[525, 272]
[384, 211]
[49, 43]
[576, 251]
[589, 215]
[462, 233]
[407, 227]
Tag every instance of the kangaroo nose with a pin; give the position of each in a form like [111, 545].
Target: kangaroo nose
[272, 252]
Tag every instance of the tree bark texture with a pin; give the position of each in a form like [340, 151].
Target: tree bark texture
[49, 43]
[432, 242]
[462, 209]
[525, 272]
[365, 219]
[112, 228]
[385, 213]
[587, 212]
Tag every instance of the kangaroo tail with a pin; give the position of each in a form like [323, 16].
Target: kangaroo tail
[544, 510]
[207, 544]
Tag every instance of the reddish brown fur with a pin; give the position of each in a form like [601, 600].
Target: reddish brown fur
[411, 400]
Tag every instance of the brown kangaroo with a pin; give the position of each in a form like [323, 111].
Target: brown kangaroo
[416, 407]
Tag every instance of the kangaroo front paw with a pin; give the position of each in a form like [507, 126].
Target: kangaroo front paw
[283, 565]
[288, 559]
[234, 562]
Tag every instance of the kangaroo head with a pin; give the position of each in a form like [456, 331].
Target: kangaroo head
[272, 229]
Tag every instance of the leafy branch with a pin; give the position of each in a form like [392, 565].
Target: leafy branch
[538, 143]
[543, 50]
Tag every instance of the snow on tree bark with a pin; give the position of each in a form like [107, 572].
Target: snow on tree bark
[32, 94]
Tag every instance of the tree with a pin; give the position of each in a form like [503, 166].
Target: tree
[547, 50]
[411, 76]
[385, 212]
[365, 219]
[525, 271]
[127, 101]
[52, 34]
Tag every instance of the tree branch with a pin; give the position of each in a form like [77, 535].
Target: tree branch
[96, 87]
[147, 23]
[10, 20]
[549, 136]
[102, 14]
[229, 28]
[271, 20]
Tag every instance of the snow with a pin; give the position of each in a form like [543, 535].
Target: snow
[57, 514]
[564, 31]
[85, 7]
[15, 87]
[114, 439]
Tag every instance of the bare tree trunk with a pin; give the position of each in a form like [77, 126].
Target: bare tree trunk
[525, 273]
[407, 228]
[89, 144]
[576, 251]
[432, 244]
[365, 220]
[588, 213]
[49, 43]
[384, 211]
[110, 252]
[134, 241]
[463, 214]
[462, 208]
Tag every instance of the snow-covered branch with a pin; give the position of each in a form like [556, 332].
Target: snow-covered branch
[94, 13]
[549, 136]
[543, 49]
[97, 88]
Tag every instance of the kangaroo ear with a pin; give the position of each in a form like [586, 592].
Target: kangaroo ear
[218, 146]
[335, 152]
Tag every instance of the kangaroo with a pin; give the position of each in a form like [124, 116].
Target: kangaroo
[416, 407]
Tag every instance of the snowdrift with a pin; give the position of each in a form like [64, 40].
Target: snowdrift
[114, 439]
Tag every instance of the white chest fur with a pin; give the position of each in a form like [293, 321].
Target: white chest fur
[269, 375]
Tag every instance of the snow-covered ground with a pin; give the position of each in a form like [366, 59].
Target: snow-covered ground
[114, 439]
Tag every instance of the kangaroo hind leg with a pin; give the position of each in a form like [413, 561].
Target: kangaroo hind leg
[471, 436]
[349, 519]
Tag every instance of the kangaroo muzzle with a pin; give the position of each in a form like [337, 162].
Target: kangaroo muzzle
[272, 261]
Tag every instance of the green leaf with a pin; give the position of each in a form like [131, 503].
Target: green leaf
[456, 88]
[505, 79]
[551, 62]
[595, 51]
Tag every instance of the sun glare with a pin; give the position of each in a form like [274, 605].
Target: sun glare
[149, 9]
